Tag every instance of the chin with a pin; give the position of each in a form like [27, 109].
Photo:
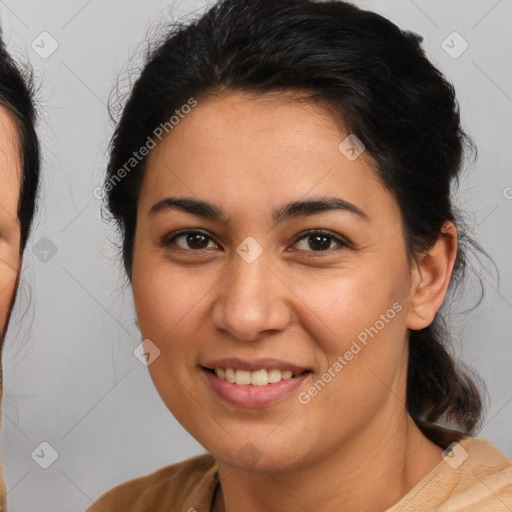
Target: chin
[260, 454]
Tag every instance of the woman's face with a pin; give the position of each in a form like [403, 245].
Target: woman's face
[254, 287]
[10, 173]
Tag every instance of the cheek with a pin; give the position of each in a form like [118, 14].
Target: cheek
[168, 304]
[359, 330]
[343, 303]
[8, 278]
[170, 301]
[357, 322]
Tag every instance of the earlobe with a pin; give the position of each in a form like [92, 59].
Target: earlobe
[431, 278]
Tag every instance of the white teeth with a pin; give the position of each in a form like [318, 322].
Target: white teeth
[242, 377]
[274, 375]
[257, 378]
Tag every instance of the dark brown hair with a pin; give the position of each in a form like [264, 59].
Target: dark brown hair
[16, 95]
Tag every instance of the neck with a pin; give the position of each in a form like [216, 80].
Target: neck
[391, 460]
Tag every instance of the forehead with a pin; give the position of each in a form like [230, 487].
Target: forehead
[266, 125]
[255, 151]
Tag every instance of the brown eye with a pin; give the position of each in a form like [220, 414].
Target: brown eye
[320, 241]
[189, 240]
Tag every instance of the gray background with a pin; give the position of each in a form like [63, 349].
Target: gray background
[71, 378]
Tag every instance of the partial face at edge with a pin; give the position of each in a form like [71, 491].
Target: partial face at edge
[198, 300]
[10, 182]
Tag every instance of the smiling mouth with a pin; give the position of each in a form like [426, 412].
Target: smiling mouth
[261, 377]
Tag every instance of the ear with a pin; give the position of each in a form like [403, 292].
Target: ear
[430, 278]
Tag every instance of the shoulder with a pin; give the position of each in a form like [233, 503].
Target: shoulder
[473, 476]
[480, 458]
[191, 480]
[485, 478]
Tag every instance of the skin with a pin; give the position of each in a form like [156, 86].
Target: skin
[249, 155]
[10, 257]
[10, 183]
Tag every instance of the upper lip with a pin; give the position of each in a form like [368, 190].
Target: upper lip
[254, 364]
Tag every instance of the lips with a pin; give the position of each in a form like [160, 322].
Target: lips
[254, 383]
[249, 395]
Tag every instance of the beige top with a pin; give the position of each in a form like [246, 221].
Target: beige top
[475, 477]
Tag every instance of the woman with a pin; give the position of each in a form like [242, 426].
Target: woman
[281, 176]
[19, 176]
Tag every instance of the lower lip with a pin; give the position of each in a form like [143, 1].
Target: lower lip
[254, 396]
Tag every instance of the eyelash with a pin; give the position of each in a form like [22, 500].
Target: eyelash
[167, 241]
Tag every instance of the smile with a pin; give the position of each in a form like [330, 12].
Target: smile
[261, 377]
[259, 388]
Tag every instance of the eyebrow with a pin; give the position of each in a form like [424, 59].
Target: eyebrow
[286, 212]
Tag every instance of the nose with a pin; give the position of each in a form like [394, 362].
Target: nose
[252, 300]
